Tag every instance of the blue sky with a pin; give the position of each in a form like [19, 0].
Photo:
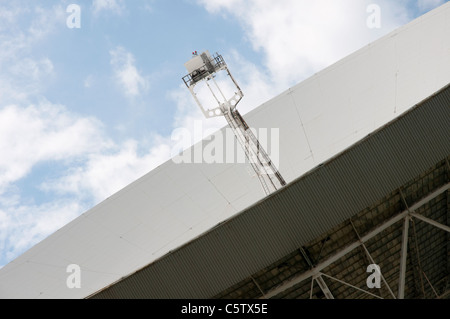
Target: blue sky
[86, 111]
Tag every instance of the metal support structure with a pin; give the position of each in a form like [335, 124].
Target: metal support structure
[419, 264]
[347, 284]
[318, 278]
[257, 285]
[319, 267]
[323, 286]
[431, 222]
[444, 295]
[312, 288]
[372, 261]
[403, 256]
[268, 174]
[432, 288]
[448, 234]
[411, 214]
[203, 68]
[298, 279]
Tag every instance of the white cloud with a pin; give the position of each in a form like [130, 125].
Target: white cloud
[296, 37]
[254, 82]
[41, 133]
[46, 21]
[31, 69]
[88, 81]
[23, 74]
[90, 166]
[108, 5]
[94, 168]
[216, 6]
[148, 8]
[105, 173]
[189, 119]
[301, 37]
[22, 77]
[8, 16]
[126, 73]
[22, 226]
[96, 176]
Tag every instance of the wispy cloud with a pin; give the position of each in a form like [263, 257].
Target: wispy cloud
[46, 21]
[30, 135]
[89, 81]
[296, 38]
[31, 69]
[93, 168]
[35, 131]
[126, 72]
[21, 73]
[114, 6]
[22, 226]
[105, 173]
[299, 37]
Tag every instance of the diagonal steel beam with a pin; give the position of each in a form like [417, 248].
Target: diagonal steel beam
[448, 234]
[257, 285]
[322, 284]
[444, 295]
[419, 264]
[372, 261]
[431, 222]
[347, 284]
[403, 255]
[318, 268]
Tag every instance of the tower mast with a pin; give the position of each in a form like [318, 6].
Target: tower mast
[203, 68]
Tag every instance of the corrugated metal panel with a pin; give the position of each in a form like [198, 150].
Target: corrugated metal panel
[306, 208]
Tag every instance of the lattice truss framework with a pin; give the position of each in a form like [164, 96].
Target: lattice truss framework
[406, 234]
